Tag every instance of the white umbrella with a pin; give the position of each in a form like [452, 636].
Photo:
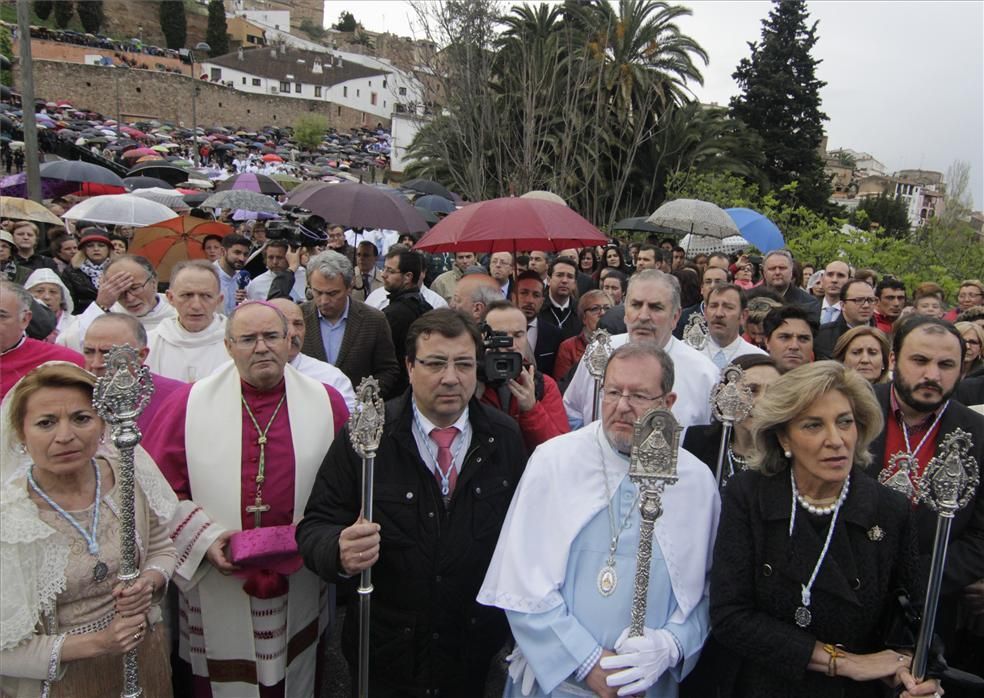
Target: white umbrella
[119, 209]
[694, 216]
[545, 196]
[705, 244]
[171, 198]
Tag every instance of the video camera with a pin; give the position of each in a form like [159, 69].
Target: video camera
[498, 366]
[298, 230]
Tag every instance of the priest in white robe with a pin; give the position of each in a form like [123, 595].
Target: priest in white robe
[241, 449]
[652, 309]
[568, 590]
[129, 285]
[190, 345]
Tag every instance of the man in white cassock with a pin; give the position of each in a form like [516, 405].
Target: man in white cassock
[241, 449]
[652, 309]
[190, 345]
[568, 590]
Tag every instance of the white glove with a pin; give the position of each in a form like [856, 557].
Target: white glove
[644, 659]
[521, 671]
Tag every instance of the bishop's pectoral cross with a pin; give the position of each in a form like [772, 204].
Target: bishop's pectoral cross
[258, 507]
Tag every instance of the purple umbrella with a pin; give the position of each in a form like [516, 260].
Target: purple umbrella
[16, 185]
[360, 206]
[249, 181]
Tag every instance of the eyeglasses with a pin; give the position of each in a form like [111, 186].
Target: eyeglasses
[134, 290]
[870, 300]
[595, 309]
[438, 366]
[248, 341]
[390, 270]
[636, 400]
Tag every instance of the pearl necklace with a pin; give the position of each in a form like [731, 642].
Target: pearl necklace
[813, 508]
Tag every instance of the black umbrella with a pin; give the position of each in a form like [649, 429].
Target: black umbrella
[638, 223]
[435, 204]
[161, 170]
[133, 183]
[426, 186]
[360, 206]
[78, 171]
[196, 199]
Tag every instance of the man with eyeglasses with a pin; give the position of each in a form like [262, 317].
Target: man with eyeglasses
[190, 345]
[241, 448]
[445, 472]
[129, 285]
[542, 337]
[564, 565]
[367, 277]
[652, 309]
[858, 301]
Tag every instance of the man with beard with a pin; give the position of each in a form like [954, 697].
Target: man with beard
[560, 308]
[235, 249]
[919, 415]
[321, 371]
[401, 278]
[789, 332]
[857, 306]
[541, 337]
[652, 309]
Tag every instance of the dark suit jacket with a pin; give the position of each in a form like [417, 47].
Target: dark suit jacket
[548, 338]
[970, 391]
[794, 295]
[827, 336]
[965, 558]
[367, 345]
[758, 571]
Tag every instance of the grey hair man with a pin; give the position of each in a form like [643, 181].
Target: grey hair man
[778, 271]
[652, 309]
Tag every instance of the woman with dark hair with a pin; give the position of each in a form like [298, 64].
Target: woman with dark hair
[689, 278]
[614, 259]
[809, 560]
[587, 261]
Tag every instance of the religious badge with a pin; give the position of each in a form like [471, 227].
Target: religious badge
[100, 571]
[900, 475]
[695, 333]
[366, 421]
[731, 399]
[803, 617]
[607, 580]
[597, 353]
[875, 534]
[952, 476]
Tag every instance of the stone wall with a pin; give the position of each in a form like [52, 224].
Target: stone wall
[147, 94]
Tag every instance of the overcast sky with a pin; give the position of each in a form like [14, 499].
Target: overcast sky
[905, 80]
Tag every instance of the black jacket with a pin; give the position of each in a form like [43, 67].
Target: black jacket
[548, 339]
[404, 307]
[758, 571]
[794, 295]
[428, 631]
[685, 315]
[567, 322]
[827, 336]
[614, 320]
[80, 287]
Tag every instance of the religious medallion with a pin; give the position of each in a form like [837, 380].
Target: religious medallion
[803, 617]
[900, 476]
[695, 333]
[876, 533]
[607, 580]
[100, 571]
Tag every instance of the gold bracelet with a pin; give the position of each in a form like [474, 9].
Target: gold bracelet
[835, 653]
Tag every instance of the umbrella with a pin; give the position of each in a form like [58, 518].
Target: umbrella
[757, 229]
[637, 223]
[161, 170]
[132, 183]
[78, 171]
[424, 186]
[706, 244]
[175, 240]
[694, 216]
[359, 206]
[139, 153]
[435, 204]
[270, 157]
[249, 181]
[240, 199]
[26, 210]
[171, 198]
[544, 195]
[119, 209]
[508, 225]
[196, 199]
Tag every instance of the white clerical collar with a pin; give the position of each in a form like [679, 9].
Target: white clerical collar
[557, 305]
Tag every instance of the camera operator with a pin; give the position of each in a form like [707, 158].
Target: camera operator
[303, 240]
[508, 380]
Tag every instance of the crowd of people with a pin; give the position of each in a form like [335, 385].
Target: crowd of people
[504, 517]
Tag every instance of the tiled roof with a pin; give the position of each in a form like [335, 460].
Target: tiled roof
[271, 63]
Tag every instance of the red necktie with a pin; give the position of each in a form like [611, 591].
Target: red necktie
[445, 465]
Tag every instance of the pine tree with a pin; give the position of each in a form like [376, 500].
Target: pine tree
[43, 8]
[91, 15]
[174, 25]
[217, 34]
[780, 100]
[63, 13]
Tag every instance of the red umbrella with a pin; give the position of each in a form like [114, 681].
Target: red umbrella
[270, 157]
[175, 240]
[510, 225]
[138, 153]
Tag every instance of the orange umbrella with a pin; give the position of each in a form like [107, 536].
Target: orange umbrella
[149, 158]
[175, 240]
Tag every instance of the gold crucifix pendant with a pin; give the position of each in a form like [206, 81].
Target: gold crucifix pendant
[256, 509]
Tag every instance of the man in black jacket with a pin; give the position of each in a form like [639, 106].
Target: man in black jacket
[857, 300]
[919, 415]
[445, 472]
[401, 279]
[778, 268]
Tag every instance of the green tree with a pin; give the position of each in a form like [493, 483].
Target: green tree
[43, 8]
[174, 24]
[313, 30]
[91, 15]
[346, 22]
[780, 100]
[309, 130]
[884, 214]
[63, 13]
[7, 50]
[217, 33]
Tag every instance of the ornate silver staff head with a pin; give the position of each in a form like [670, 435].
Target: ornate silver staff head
[366, 421]
[731, 399]
[124, 390]
[951, 477]
[597, 353]
[653, 459]
[695, 333]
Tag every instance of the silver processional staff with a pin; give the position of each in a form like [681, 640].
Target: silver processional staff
[731, 402]
[596, 358]
[119, 397]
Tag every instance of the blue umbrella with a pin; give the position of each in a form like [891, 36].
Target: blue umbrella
[435, 204]
[757, 229]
